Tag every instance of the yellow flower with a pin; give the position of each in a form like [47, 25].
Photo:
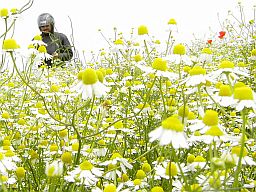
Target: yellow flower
[173, 123]
[66, 157]
[226, 64]
[20, 172]
[210, 118]
[119, 42]
[10, 44]
[197, 70]
[140, 174]
[171, 169]
[86, 165]
[159, 64]
[89, 76]
[206, 50]
[179, 49]
[42, 49]
[38, 38]
[243, 93]
[172, 22]
[157, 189]
[110, 188]
[4, 12]
[142, 30]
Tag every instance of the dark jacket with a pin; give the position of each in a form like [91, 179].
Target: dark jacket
[58, 42]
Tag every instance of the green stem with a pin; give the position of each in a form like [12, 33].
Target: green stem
[242, 147]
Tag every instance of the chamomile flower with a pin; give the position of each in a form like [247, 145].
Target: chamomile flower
[224, 96]
[244, 97]
[205, 56]
[170, 132]
[197, 76]
[210, 119]
[85, 174]
[227, 67]
[54, 169]
[89, 85]
[159, 68]
[116, 161]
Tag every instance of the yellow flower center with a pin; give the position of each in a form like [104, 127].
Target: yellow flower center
[199, 159]
[214, 131]
[50, 171]
[75, 146]
[115, 155]
[5, 115]
[191, 158]
[173, 123]
[119, 42]
[197, 70]
[210, 118]
[10, 44]
[42, 49]
[253, 52]
[226, 64]
[119, 125]
[86, 165]
[4, 12]
[157, 189]
[66, 157]
[54, 147]
[179, 49]
[159, 64]
[136, 181]
[20, 172]
[110, 188]
[236, 150]
[206, 50]
[225, 90]
[89, 76]
[38, 38]
[142, 30]
[171, 169]
[172, 22]
[137, 57]
[100, 76]
[243, 93]
[183, 111]
[146, 167]
[140, 174]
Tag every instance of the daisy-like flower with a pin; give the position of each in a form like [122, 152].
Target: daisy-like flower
[197, 75]
[199, 162]
[246, 160]
[227, 67]
[210, 119]
[85, 174]
[114, 163]
[244, 97]
[170, 132]
[159, 68]
[179, 55]
[225, 96]
[54, 169]
[167, 169]
[89, 85]
[205, 56]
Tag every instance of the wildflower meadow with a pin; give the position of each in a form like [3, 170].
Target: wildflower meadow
[139, 115]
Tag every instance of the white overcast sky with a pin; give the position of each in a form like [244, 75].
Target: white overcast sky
[192, 16]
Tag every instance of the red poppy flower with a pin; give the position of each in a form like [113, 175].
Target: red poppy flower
[209, 41]
[222, 34]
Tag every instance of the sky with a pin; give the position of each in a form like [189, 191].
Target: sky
[198, 17]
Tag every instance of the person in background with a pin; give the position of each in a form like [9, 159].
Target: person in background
[57, 44]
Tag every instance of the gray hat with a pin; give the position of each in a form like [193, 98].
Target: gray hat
[45, 19]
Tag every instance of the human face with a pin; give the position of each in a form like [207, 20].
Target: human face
[46, 28]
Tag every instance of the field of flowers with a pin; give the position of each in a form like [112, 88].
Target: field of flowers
[143, 115]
